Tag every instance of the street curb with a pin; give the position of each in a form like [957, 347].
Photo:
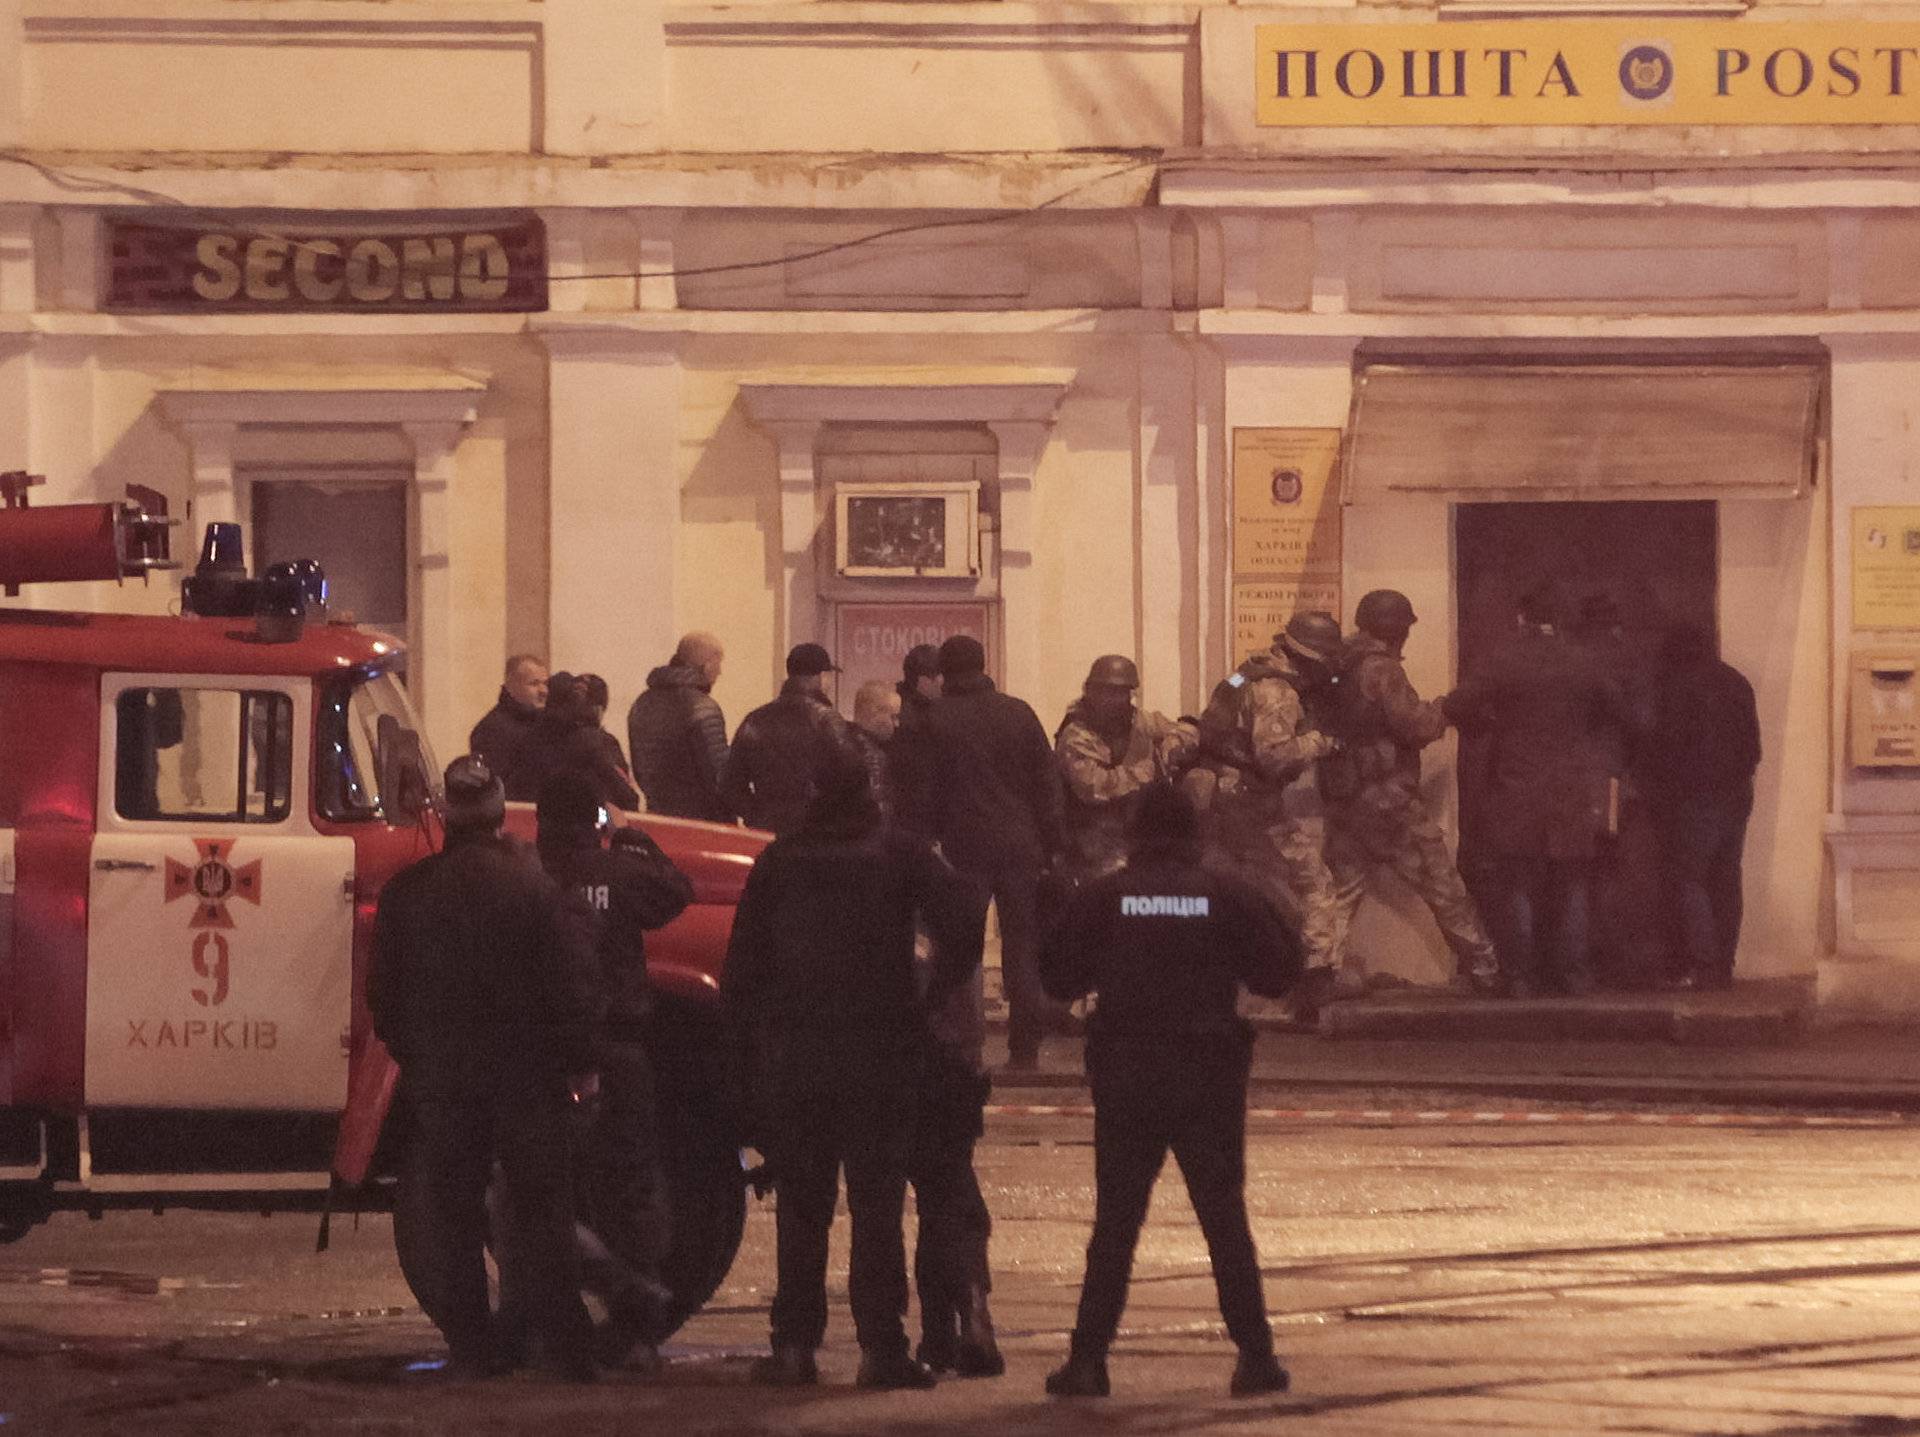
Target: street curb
[1744, 1093]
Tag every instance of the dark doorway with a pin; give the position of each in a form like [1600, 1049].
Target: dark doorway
[1657, 563]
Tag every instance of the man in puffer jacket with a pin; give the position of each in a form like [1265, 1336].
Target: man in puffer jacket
[677, 735]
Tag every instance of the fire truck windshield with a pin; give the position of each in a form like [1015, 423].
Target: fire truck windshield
[349, 771]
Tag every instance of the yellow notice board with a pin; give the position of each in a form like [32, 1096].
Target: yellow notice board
[1648, 71]
[1886, 567]
[1286, 529]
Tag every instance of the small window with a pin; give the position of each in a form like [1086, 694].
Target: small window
[204, 755]
[353, 715]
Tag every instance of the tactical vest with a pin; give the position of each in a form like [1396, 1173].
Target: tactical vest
[1223, 739]
[1368, 753]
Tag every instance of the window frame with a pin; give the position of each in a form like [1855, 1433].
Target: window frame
[330, 717]
[297, 691]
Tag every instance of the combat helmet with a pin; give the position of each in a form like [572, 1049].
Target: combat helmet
[1115, 670]
[1385, 614]
[1313, 635]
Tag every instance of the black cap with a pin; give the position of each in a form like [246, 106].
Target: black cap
[475, 797]
[963, 654]
[807, 659]
[922, 662]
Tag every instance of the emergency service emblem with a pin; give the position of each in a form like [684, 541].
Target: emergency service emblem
[212, 882]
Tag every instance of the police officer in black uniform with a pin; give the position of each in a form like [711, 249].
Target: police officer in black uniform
[482, 986]
[1163, 946]
[630, 886]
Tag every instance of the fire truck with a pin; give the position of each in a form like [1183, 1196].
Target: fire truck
[197, 813]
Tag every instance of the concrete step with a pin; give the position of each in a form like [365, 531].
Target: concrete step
[1752, 1014]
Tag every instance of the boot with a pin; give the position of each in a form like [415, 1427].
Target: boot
[893, 1372]
[1257, 1373]
[1080, 1377]
[977, 1353]
[786, 1367]
[938, 1339]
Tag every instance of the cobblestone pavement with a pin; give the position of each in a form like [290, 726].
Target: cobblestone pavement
[1425, 1276]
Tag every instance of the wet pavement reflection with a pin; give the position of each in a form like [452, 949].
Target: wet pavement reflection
[1551, 1270]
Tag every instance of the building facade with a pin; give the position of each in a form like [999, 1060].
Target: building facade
[568, 325]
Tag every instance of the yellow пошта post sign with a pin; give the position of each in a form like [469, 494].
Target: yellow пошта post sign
[1589, 72]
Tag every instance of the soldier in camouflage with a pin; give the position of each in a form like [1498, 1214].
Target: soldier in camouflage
[1109, 750]
[1376, 816]
[1258, 735]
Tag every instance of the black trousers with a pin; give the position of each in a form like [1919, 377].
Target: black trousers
[1187, 1094]
[1701, 844]
[865, 1129]
[440, 1212]
[1014, 881]
[1542, 919]
[950, 1253]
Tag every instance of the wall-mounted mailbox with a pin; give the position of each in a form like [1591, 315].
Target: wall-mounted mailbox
[1884, 701]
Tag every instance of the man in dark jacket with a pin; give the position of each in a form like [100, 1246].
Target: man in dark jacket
[630, 886]
[1628, 934]
[1541, 700]
[911, 768]
[677, 735]
[820, 996]
[1701, 759]
[996, 809]
[773, 768]
[875, 726]
[951, 1273]
[1164, 946]
[567, 738]
[501, 737]
[482, 986]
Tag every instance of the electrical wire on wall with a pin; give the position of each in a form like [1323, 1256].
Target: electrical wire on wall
[72, 182]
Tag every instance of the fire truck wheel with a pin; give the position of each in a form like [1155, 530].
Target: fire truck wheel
[707, 1199]
[699, 1154]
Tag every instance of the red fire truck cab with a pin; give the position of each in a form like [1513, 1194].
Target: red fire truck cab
[197, 814]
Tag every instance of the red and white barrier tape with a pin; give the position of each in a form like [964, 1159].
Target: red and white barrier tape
[1468, 1117]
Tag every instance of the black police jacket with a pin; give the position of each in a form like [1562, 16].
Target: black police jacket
[1164, 944]
[630, 886]
[482, 970]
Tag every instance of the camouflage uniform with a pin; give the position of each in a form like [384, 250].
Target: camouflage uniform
[1376, 816]
[1256, 738]
[1103, 775]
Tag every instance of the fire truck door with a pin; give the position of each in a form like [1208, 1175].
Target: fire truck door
[219, 934]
